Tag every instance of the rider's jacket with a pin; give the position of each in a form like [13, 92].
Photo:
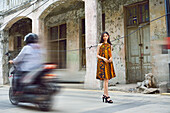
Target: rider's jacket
[29, 58]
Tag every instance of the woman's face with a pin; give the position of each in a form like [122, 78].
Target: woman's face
[105, 37]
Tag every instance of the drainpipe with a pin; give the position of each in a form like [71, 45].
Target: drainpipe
[167, 12]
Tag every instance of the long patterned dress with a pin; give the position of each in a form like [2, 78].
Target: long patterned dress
[105, 70]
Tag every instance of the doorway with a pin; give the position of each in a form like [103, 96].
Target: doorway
[138, 43]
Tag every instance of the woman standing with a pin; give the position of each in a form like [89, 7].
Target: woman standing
[105, 69]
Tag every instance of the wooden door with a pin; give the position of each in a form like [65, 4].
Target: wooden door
[145, 50]
[138, 54]
[138, 43]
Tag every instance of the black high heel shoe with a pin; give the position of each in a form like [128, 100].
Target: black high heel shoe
[108, 101]
[104, 97]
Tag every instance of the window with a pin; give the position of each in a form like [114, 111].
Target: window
[58, 44]
[54, 33]
[132, 16]
[19, 42]
[83, 44]
[138, 13]
[164, 49]
[83, 26]
[103, 22]
[143, 13]
[62, 31]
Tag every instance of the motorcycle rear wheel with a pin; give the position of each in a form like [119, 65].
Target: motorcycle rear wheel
[45, 105]
[13, 99]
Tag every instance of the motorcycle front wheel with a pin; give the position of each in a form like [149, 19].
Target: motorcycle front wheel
[13, 99]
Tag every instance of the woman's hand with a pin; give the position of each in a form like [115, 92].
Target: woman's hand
[10, 61]
[105, 60]
[110, 60]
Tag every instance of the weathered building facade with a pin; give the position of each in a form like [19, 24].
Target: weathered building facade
[70, 30]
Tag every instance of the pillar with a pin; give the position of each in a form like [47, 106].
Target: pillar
[1, 51]
[92, 30]
[4, 59]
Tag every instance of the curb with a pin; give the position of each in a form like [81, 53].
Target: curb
[167, 94]
[1, 86]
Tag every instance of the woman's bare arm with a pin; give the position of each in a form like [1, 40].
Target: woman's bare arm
[100, 57]
[110, 59]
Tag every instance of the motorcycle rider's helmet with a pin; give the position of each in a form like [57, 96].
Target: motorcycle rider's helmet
[31, 38]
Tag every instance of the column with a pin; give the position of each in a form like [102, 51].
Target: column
[1, 51]
[43, 36]
[91, 22]
[3, 59]
[35, 24]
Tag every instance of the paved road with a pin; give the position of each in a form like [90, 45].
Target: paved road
[89, 101]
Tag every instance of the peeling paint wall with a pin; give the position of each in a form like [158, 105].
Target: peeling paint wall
[158, 33]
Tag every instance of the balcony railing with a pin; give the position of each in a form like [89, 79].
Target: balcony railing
[6, 5]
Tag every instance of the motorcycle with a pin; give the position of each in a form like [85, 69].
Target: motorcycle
[38, 87]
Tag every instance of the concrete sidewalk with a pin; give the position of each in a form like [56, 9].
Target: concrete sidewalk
[117, 87]
[72, 85]
[123, 87]
[75, 80]
[128, 88]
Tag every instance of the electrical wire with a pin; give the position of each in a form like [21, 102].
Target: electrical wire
[91, 45]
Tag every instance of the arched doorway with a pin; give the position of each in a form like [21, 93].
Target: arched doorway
[64, 28]
[16, 35]
[13, 35]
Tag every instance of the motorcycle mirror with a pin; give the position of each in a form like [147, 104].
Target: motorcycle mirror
[7, 54]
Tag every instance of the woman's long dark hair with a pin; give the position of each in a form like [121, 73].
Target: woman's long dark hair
[108, 40]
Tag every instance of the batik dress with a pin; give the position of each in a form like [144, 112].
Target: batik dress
[105, 70]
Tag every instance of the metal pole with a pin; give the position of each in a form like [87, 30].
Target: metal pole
[167, 12]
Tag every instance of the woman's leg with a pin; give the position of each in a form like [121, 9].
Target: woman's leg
[105, 84]
[107, 94]
[106, 87]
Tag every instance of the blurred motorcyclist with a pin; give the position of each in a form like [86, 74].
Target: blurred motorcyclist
[27, 60]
